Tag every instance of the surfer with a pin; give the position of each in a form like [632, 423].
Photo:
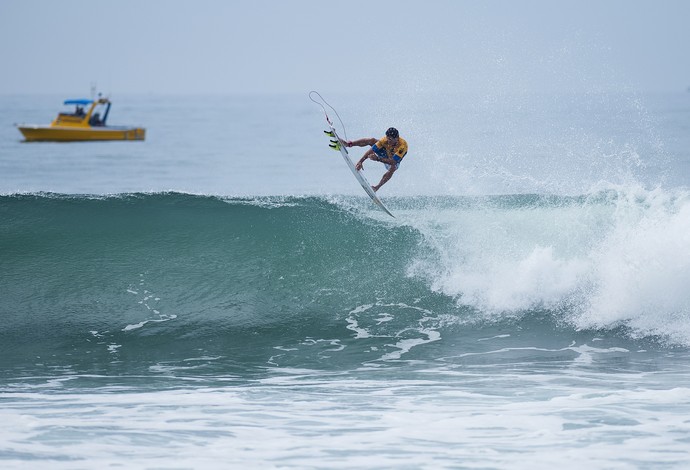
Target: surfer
[389, 150]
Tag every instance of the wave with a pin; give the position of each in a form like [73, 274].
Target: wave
[333, 267]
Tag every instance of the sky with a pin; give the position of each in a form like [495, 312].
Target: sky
[260, 46]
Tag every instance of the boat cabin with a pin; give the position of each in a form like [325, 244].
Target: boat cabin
[91, 113]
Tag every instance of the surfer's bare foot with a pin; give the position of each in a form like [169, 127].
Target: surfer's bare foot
[375, 188]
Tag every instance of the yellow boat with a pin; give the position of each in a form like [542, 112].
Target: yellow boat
[82, 125]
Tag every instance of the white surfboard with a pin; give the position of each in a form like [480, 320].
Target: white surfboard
[360, 177]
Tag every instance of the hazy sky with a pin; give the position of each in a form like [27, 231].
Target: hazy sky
[209, 46]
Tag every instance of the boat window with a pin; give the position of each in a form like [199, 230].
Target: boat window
[97, 117]
[72, 110]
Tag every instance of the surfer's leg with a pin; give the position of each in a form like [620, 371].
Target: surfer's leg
[386, 176]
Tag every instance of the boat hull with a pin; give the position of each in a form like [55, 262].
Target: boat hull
[76, 134]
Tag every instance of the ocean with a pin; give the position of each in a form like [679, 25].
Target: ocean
[224, 295]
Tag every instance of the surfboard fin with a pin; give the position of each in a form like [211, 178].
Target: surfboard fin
[329, 133]
[335, 145]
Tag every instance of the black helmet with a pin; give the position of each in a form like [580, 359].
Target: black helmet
[392, 133]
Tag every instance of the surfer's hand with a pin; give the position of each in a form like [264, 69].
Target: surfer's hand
[359, 166]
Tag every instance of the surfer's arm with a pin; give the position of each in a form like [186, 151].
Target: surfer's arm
[368, 154]
[360, 142]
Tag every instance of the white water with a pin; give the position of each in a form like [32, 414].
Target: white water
[620, 257]
[303, 419]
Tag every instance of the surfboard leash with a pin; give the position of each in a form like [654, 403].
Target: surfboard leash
[323, 101]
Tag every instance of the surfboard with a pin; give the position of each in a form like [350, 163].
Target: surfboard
[339, 145]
